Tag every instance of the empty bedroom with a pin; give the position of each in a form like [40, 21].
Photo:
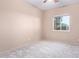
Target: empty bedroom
[39, 28]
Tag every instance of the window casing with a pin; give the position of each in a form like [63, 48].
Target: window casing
[61, 23]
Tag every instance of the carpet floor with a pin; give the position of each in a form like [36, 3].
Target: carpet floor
[45, 49]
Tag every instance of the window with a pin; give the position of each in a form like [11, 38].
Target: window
[62, 23]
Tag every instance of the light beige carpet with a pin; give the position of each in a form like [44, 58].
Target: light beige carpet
[45, 49]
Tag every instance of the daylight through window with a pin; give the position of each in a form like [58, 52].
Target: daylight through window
[61, 23]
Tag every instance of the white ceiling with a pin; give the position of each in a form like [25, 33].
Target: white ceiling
[49, 5]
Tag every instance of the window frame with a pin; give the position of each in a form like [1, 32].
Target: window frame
[60, 29]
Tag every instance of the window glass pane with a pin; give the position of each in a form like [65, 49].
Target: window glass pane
[61, 22]
[65, 23]
[57, 23]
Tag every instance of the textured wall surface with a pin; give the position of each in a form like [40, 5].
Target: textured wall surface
[20, 23]
[73, 35]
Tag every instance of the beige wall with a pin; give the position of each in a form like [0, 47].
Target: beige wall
[19, 23]
[73, 35]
